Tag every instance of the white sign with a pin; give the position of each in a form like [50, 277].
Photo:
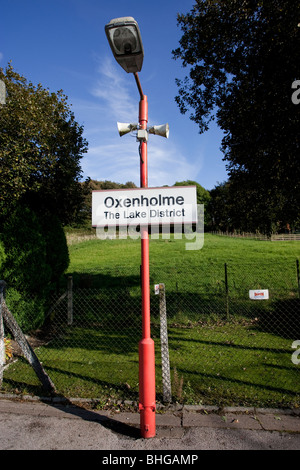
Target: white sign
[144, 206]
[261, 294]
[156, 289]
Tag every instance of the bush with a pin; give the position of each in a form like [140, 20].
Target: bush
[25, 267]
[28, 312]
[57, 253]
[2, 256]
[36, 257]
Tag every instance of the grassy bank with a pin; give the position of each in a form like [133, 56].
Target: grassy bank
[215, 359]
[95, 254]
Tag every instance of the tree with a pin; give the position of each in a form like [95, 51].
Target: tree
[25, 267]
[219, 208]
[41, 145]
[85, 217]
[243, 58]
[203, 197]
[202, 194]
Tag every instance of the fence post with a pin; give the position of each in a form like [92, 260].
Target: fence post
[226, 290]
[298, 276]
[165, 361]
[70, 299]
[27, 350]
[2, 344]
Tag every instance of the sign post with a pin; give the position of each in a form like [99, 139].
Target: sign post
[147, 404]
[126, 44]
[144, 207]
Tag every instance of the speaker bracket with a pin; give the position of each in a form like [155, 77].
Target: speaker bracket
[142, 134]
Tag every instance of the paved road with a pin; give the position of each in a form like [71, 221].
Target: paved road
[34, 425]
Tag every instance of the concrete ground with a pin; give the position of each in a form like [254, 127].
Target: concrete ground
[34, 425]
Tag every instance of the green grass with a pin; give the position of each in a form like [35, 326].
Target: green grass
[243, 359]
[218, 365]
[233, 366]
[172, 264]
[95, 254]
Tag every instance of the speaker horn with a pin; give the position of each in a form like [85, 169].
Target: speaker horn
[125, 127]
[162, 130]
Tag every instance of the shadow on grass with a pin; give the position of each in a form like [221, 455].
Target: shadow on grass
[230, 345]
[96, 338]
[235, 381]
[282, 319]
[115, 278]
[116, 387]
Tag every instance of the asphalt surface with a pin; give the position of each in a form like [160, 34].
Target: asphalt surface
[27, 424]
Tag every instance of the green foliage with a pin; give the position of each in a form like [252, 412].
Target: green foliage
[203, 197]
[25, 267]
[2, 254]
[36, 251]
[41, 145]
[36, 257]
[220, 208]
[85, 216]
[28, 311]
[243, 58]
[57, 254]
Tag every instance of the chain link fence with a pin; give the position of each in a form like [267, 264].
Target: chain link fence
[219, 347]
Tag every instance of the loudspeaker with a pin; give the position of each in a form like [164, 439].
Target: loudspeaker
[125, 127]
[162, 130]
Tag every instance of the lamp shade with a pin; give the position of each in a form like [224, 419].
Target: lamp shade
[124, 38]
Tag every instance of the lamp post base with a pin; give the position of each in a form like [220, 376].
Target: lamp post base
[147, 387]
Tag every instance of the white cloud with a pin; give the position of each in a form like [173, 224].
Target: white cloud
[167, 164]
[114, 91]
[115, 158]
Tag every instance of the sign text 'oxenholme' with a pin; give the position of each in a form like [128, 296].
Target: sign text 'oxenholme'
[167, 205]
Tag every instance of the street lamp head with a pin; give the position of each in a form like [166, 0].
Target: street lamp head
[124, 38]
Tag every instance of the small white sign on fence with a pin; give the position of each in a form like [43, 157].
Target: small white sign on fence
[156, 289]
[260, 294]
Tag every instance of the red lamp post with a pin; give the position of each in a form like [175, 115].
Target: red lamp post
[146, 345]
[125, 41]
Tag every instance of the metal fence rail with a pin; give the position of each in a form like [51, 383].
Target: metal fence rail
[223, 347]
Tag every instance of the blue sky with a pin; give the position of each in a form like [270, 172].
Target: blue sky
[62, 45]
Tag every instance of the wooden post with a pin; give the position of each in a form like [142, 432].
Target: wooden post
[2, 345]
[28, 352]
[226, 290]
[298, 276]
[165, 361]
[70, 300]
